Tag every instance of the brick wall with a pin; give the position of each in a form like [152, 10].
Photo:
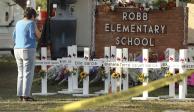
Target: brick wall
[173, 37]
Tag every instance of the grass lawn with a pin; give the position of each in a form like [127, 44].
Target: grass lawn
[10, 103]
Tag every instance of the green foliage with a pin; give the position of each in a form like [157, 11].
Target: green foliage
[7, 58]
[42, 4]
[157, 3]
[185, 0]
[42, 73]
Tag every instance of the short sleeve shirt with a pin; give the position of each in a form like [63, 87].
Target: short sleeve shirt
[24, 34]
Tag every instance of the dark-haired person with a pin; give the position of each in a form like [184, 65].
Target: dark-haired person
[24, 37]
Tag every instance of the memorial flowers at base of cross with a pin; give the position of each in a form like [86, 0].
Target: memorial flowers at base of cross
[168, 74]
[66, 71]
[115, 75]
[42, 73]
[123, 76]
[70, 71]
[102, 73]
[82, 74]
[181, 78]
[142, 77]
[74, 71]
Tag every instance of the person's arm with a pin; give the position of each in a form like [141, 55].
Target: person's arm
[34, 32]
[37, 32]
[14, 36]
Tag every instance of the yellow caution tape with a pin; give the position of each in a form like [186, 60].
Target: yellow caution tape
[131, 92]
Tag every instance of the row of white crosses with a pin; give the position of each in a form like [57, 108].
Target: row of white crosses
[183, 84]
[72, 79]
[119, 55]
[112, 54]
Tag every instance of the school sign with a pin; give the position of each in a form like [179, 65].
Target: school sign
[134, 29]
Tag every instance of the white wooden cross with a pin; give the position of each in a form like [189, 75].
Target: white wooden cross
[69, 90]
[183, 83]
[145, 71]
[118, 61]
[170, 52]
[75, 77]
[125, 71]
[117, 82]
[44, 68]
[107, 70]
[86, 70]
[113, 59]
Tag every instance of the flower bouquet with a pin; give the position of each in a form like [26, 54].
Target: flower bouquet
[124, 76]
[168, 74]
[102, 73]
[114, 74]
[42, 73]
[142, 77]
[82, 74]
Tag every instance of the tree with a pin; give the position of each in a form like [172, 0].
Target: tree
[42, 4]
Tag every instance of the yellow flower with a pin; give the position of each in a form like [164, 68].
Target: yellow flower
[83, 75]
[141, 77]
[115, 75]
[168, 74]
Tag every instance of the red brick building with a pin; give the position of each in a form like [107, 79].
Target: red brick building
[134, 29]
